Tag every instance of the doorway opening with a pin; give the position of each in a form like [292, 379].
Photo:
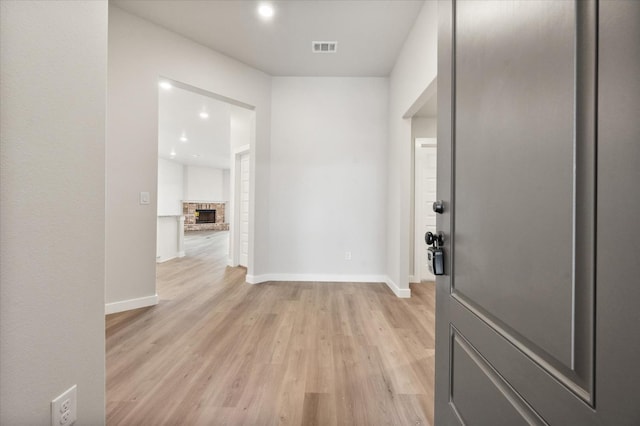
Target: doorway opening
[199, 200]
[240, 170]
[425, 180]
[424, 148]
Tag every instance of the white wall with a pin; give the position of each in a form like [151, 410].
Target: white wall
[170, 236]
[52, 153]
[170, 195]
[140, 52]
[413, 72]
[328, 178]
[424, 127]
[203, 184]
[226, 185]
[170, 187]
[241, 127]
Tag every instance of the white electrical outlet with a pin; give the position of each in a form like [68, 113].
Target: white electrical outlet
[347, 255]
[64, 408]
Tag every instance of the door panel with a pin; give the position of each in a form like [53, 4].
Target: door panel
[535, 385]
[522, 94]
[523, 180]
[476, 385]
[510, 170]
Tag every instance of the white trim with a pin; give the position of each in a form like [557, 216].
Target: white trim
[419, 253]
[325, 278]
[430, 91]
[426, 142]
[241, 149]
[233, 212]
[207, 93]
[201, 201]
[127, 305]
[162, 259]
[413, 280]
[403, 293]
[331, 278]
[255, 279]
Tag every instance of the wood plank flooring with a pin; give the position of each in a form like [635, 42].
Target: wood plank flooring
[218, 351]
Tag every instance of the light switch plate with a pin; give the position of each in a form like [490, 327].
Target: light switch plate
[145, 198]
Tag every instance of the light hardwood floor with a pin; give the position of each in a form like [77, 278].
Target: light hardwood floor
[218, 351]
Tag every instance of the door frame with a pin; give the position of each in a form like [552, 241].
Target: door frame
[429, 92]
[232, 260]
[418, 236]
[234, 225]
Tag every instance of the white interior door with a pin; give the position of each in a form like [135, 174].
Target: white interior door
[425, 187]
[244, 209]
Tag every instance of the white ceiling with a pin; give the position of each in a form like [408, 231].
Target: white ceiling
[369, 33]
[179, 111]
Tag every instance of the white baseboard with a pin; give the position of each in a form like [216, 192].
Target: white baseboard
[403, 293]
[129, 304]
[162, 259]
[254, 279]
[413, 280]
[328, 278]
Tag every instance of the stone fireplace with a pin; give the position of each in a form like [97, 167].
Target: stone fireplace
[204, 216]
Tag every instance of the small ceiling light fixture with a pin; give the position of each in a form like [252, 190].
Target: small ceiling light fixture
[204, 114]
[183, 138]
[266, 11]
[166, 85]
[173, 154]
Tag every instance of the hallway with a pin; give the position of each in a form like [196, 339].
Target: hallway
[216, 350]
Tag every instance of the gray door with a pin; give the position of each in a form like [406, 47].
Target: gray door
[538, 316]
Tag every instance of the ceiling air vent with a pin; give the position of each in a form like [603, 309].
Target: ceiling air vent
[324, 46]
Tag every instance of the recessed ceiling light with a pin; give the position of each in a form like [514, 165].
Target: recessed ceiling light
[183, 138]
[204, 114]
[166, 85]
[266, 11]
[173, 154]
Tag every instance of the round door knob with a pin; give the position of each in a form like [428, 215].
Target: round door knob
[434, 239]
[438, 206]
[429, 238]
